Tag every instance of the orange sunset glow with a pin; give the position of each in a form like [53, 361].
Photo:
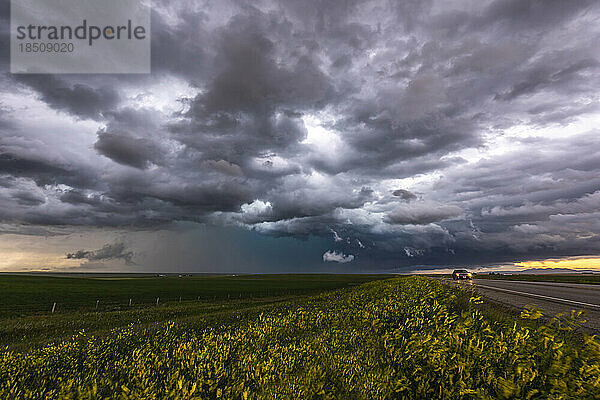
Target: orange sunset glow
[592, 263]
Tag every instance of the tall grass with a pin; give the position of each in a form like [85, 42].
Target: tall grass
[401, 338]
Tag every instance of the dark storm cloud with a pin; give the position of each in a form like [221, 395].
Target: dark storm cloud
[117, 250]
[77, 197]
[77, 99]
[253, 101]
[4, 35]
[124, 149]
[421, 214]
[225, 167]
[531, 14]
[550, 75]
[250, 79]
[405, 149]
[181, 47]
[28, 199]
[404, 194]
[298, 199]
[396, 125]
[224, 196]
[44, 172]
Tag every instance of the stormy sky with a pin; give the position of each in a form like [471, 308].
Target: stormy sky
[313, 135]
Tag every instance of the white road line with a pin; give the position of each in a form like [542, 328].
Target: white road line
[541, 296]
[587, 286]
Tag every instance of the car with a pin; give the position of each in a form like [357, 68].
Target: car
[458, 274]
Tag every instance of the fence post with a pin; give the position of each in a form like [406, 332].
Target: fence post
[157, 300]
[129, 302]
[97, 301]
[53, 307]
[180, 299]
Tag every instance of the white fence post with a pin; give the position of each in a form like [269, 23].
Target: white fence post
[157, 300]
[97, 301]
[129, 302]
[53, 307]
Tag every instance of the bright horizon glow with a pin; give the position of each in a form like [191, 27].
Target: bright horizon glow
[572, 263]
[30, 261]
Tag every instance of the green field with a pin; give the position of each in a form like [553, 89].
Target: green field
[26, 303]
[564, 278]
[405, 337]
[29, 294]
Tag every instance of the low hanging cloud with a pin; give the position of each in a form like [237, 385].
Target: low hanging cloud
[128, 150]
[113, 251]
[224, 167]
[422, 213]
[412, 252]
[334, 256]
[404, 194]
[78, 99]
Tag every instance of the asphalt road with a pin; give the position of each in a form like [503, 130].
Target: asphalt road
[552, 298]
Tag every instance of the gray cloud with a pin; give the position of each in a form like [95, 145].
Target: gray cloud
[113, 251]
[127, 150]
[78, 99]
[224, 167]
[28, 198]
[44, 171]
[419, 214]
[404, 194]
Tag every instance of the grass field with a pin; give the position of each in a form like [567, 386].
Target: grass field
[564, 278]
[24, 295]
[406, 337]
[26, 302]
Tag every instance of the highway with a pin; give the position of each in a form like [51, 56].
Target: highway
[551, 297]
